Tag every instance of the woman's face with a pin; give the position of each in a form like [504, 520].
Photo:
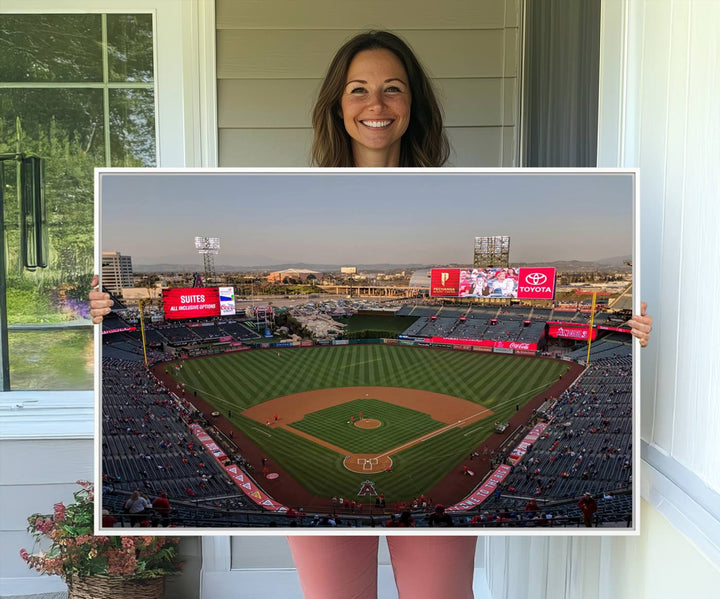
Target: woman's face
[375, 107]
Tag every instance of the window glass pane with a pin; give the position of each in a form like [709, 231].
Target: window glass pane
[52, 360]
[54, 120]
[50, 48]
[130, 48]
[66, 127]
[132, 127]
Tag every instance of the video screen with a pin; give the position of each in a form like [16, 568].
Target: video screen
[500, 283]
[194, 302]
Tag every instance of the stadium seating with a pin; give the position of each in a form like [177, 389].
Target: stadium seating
[147, 444]
[586, 447]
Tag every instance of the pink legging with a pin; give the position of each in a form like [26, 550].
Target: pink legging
[346, 567]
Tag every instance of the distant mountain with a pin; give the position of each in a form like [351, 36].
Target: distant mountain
[617, 263]
[272, 267]
[562, 265]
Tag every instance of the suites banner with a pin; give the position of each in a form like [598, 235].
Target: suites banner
[193, 302]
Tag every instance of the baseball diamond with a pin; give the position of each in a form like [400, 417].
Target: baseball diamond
[431, 414]
[424, 410]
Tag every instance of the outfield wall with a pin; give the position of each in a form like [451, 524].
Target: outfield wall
[500, 347]
[497, 347]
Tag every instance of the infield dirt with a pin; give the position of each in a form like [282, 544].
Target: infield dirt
[453, 411]
[451, 489]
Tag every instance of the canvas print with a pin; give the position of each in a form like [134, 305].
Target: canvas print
[376, 350]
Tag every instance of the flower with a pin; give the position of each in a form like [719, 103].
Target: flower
[69, 548]
[44, 526]
[59, 512]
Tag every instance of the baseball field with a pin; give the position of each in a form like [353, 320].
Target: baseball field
[333, 417]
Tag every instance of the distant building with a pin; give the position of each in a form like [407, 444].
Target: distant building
[420, 278]
[117, 272]
[294, 274]
[348, 270]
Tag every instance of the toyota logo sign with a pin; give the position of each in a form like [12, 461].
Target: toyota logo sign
[536, 278]
[536, 283]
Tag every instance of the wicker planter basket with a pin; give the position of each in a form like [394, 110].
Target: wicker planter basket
[116, 587]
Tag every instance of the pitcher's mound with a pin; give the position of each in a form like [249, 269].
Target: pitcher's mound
[368, 423]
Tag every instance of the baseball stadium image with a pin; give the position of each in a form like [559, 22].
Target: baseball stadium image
[285, 351]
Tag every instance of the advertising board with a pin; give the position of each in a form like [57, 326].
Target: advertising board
[227, 301]
[193, 302]
[536, 283]
[493, 283]
[444, 282]
[571, 332]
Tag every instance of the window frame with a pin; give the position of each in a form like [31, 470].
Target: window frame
[186, 136]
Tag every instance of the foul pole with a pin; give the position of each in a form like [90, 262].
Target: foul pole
[141, 304]
[590, 330]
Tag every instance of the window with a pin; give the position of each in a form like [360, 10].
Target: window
[79, 91]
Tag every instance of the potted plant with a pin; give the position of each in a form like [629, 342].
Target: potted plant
[95, 567]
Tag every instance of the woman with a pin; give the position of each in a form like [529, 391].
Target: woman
[376, 108]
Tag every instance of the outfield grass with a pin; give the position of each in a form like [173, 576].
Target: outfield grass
[367, 322]
[399, 425]
[245, 379]
[240, 380]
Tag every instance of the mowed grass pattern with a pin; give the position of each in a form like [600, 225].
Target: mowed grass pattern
[399, 425]
[244, 379]
[240, 380]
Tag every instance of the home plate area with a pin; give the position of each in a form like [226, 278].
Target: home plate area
[367, 463]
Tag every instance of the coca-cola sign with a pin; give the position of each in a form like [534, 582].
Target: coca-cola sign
[517, 345]
[482, 343]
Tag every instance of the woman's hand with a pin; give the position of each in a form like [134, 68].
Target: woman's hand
[641, 325]
[100, 302]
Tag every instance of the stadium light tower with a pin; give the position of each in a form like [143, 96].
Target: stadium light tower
[491, 252]
[208, 247]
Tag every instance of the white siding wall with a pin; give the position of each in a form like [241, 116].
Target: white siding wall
[660, 83]
[658, 564]
[672, 132]
[271, 58]
[35, 476]
[45, 447]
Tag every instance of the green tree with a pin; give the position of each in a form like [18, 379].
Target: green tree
[66, 127]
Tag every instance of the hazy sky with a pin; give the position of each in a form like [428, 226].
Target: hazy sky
[428, 217]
